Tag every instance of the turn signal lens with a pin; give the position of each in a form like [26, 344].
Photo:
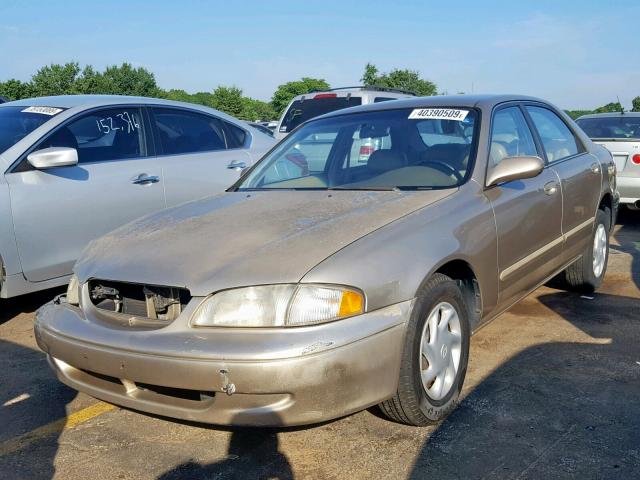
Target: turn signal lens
[351, 303]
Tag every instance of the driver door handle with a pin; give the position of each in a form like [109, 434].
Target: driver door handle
[236, 165]
[551, 188]
[144, 179]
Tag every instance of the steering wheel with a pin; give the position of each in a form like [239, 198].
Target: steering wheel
[444, 168]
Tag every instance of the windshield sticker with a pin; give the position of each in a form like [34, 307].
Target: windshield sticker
[43, 110]
[439, 114]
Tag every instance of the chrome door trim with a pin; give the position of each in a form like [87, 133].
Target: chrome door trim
[575, 230]
[541, 251]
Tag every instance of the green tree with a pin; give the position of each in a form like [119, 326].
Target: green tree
[178, 95]
[370, 75]
[257, 110]
[15, 89]
[228, 100]
[635, 104]
[577, 113]
[55, 79]
[609, 107]
[126, 80]
[284, 93]
[409, 80]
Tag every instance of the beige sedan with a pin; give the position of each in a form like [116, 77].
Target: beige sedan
[321, 284]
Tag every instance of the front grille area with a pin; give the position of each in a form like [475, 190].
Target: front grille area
[153, 305]
[176, 393]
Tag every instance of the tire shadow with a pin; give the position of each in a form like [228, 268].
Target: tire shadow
[556, 410]
[628, 235]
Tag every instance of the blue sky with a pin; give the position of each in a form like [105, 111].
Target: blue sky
[573, 53]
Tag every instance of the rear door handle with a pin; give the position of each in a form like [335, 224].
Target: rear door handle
[144, 179]
[236, 165]
[551, 188]
[595, 168]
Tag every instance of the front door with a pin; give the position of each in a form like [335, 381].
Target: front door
[528, 212]
[56, 212]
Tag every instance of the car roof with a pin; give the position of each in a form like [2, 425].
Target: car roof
[70, 101]
[90, 101]
[610, 114]
[484, 102]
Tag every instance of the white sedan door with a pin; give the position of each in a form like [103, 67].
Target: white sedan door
[56, 212]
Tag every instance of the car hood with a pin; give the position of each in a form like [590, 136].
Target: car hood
[244, 238]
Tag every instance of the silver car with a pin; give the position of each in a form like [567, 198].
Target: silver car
[76, 167]
[314, 289]
[620, 134]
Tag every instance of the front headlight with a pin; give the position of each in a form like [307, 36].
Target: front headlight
[278, 306]
[73, 291]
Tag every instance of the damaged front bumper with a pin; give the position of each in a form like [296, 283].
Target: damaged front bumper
[229, 376]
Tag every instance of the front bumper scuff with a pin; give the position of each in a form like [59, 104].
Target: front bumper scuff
[277, 377]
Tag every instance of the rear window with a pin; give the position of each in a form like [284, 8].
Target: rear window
[622, 127]
[302, 110]
[18, 122]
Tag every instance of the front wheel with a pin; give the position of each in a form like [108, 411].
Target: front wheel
[435, 355]
[587, 273]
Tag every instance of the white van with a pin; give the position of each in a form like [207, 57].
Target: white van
[310, 105]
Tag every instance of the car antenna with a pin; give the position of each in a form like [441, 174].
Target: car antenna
[621, 107]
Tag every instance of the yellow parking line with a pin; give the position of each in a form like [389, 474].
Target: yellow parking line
[76, 418]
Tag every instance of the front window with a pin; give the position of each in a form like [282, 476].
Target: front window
[18, 122]
[623, 127]
[423, 148]
[109, 134]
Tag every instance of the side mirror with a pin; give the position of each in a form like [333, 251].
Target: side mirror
[53, 157]
[515, 168]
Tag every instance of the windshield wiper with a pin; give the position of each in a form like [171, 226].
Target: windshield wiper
[372, 189]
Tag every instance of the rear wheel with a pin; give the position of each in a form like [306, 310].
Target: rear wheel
[586, 273]
[435, 355]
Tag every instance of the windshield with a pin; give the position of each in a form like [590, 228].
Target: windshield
[619, 127]
[302, 110]
[382, 150]
[18, 122]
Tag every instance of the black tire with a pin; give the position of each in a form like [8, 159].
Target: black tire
[411, 404]
[579, 276]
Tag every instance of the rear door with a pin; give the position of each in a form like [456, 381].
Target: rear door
[580, 174]
[200, 154]
[528, 212]
[56, 212]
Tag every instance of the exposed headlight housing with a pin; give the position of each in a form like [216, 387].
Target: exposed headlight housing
[73, 291]
[287, 305]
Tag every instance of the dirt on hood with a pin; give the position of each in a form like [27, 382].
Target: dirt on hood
[244, 238]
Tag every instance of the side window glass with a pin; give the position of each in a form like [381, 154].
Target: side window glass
[557, 139]
[181, 131]
[236, 137]
[111, 134]
[510, 136]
